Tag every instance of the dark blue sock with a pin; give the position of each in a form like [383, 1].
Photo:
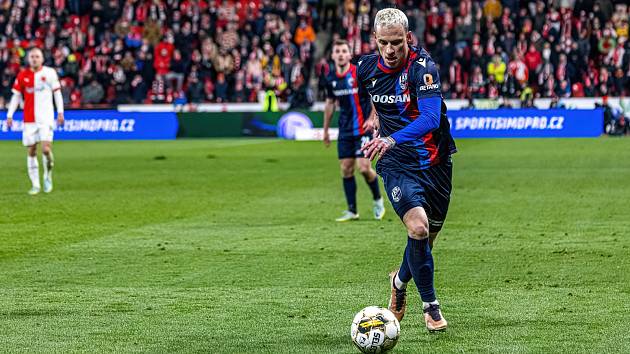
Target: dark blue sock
[420, 263]
[350, 189]
[404, 273]
[376, 191]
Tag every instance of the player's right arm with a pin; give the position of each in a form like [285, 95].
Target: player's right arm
[329, 110]
[14, 103]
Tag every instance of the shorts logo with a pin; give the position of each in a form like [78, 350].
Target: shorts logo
[396, 194]
[402, 81]
[428, 79]
[364, 140]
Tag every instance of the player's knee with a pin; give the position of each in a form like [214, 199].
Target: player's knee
[366, 170]
[32, 150]
[418, 230]
[347, 171]
[46, 149]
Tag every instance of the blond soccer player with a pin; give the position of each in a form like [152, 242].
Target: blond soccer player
[37, 86]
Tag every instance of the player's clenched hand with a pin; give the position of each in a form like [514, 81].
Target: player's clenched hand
[9, 122]
[60, 119]
[378, 147]
[326, 138]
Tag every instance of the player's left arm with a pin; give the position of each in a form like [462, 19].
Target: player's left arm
[428, 91]
[56, 88]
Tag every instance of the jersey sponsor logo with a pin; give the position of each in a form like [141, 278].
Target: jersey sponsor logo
[396, 194]
[350, 81]
[429, 87]
[428, 83]
[334, 84]
[402, 81]
[391, 98]
[428, 79]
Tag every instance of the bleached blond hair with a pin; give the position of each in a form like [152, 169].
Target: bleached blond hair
[390, 17]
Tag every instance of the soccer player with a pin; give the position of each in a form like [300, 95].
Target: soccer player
[414, 148]
[37, 85]
[355, 129]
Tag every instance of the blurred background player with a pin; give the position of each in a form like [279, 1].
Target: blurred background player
[355, 129]
[36, 86]
[414, 150]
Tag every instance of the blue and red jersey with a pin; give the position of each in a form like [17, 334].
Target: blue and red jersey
[395, 94]
[354, 102]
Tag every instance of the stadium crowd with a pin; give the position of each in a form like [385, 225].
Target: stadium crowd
[136, 51]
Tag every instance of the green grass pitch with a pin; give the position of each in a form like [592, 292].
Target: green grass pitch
[229, 246]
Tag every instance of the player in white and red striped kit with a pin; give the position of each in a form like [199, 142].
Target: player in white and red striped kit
[37, 85]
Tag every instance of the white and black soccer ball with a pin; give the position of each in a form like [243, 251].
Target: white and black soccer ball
[375, 330]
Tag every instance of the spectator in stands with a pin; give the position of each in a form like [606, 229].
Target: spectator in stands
[138, 89]
[221, 88]
[195, 92]
[302, 95]
[304, 32]
[92, 93]
[497, 68]
[178, 68]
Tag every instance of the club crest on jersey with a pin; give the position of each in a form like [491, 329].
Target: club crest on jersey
[396, 194]
[402, 81]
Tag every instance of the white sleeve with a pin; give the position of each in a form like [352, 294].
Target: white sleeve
[56, 87]
[58, 100]
[54, 80]
[14, 103]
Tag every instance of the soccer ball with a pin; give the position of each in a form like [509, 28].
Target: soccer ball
[375, 330]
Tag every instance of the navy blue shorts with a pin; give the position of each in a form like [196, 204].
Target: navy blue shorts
[429, 188]
[349, 147]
